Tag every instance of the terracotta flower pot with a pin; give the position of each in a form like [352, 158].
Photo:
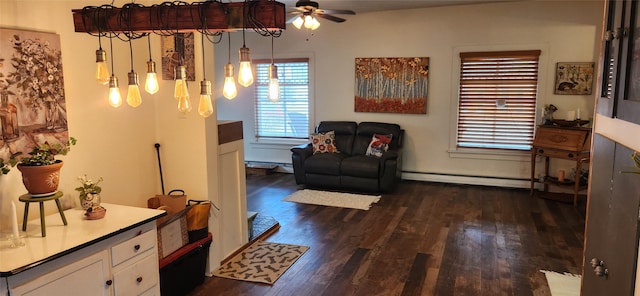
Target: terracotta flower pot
[41, 180]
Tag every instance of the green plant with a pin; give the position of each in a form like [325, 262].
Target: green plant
[88, 186]
[43, 154]
[6, 167]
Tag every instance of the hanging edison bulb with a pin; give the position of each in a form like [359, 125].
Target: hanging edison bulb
[229, 90]
[181, 89]
[115, 100]
[274, 84]
[102, 70]
[245, 74]
[151, 85]
[205, 107]
[184, 104]
[133, 93]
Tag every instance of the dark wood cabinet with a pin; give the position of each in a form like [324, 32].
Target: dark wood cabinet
[611, 238]
[565, 143]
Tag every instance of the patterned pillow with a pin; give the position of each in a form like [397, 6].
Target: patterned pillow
[379, 144]
[324, 142]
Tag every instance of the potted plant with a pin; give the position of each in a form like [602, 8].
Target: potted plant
[89, 192]
[40, 169]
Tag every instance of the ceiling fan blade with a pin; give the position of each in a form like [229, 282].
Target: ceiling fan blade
[306, 8]
[333, 11]
[331, 18]
[299, 9]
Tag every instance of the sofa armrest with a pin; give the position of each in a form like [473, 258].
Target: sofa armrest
[299, 155]
[390, 154]
[390, 169]
[304, 150]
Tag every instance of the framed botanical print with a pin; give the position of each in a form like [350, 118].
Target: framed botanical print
[574, 78]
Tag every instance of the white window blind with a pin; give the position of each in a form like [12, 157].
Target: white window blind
[288, 118]
[497, 99]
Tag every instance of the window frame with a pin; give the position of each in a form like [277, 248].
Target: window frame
[282, 140]
[485, 151]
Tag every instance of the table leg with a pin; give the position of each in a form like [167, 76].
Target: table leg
[43, 228]
[64, 219]
[546, 173]
[577, 182]
[24, 217]
[533, 169]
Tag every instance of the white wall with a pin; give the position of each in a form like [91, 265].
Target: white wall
[565, 31]
[117, 144]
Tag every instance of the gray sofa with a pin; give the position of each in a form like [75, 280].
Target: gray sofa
[351, 168]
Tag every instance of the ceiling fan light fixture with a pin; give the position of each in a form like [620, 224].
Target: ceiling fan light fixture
[308, 21]
[298, 22]
[314, 23]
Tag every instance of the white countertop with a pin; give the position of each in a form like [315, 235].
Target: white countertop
[61, 239]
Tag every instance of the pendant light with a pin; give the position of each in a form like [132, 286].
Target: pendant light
[274, 83]
[102, 69]
[229, 90]
[151, 83]
[245, 74]
[133, 93]
[181, 91]
[205, 107]
[115, 100]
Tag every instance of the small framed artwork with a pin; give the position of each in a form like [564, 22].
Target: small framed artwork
[574, 78]
[174, 48]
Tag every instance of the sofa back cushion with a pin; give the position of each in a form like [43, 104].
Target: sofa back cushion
[365, 133]
[345, 132]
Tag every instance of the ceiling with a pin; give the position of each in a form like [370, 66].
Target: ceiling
[362, 6]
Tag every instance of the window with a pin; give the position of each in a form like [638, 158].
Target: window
[497, 99]
[288, 118]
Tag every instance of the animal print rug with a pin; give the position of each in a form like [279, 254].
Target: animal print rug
[262, 262]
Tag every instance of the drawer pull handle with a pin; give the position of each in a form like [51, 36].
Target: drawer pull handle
[136, 247]
[139, 279]
[109, 282]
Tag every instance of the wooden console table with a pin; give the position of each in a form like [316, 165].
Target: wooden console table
[572, 143]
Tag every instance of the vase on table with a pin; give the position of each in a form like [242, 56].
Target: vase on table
[89, 200]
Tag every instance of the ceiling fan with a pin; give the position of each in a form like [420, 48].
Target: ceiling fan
[306, 11]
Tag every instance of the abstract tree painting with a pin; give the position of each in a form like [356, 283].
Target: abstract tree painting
[392, 85]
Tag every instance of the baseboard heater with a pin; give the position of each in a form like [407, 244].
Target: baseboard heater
[437, 177]
[467, 179]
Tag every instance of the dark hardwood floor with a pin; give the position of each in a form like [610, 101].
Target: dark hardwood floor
[423, 239]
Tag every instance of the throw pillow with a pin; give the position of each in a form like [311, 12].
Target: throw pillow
[324, 142]
[379, 144]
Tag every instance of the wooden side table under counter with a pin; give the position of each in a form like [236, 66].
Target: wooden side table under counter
[571, 143]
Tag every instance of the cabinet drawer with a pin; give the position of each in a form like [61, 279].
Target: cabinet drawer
[562, 154]
[130, 248]
[138, 277]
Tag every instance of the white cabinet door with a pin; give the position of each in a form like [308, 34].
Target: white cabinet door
[88, 276]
